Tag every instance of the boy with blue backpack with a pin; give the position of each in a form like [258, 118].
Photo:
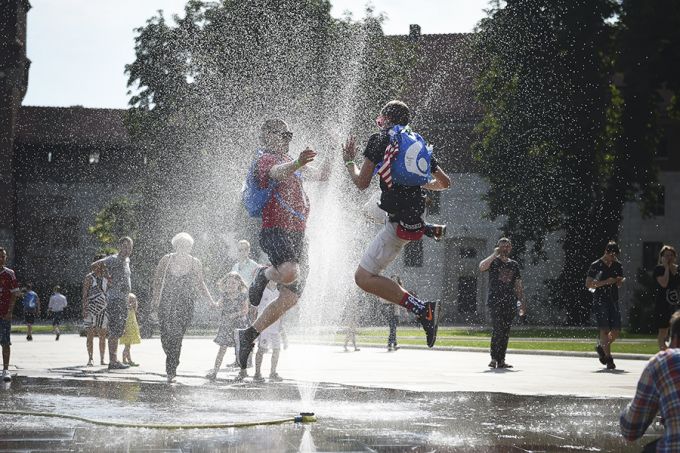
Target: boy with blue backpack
[273, 190]
[406, 166]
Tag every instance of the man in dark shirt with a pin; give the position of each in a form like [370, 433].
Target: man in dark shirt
[505, 289]
[405, 206]
[604, 279]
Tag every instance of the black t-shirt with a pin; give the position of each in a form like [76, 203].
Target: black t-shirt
[502, 278]
[600, 271]
[405, 203]
[669, 294]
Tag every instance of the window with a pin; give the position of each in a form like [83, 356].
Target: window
[49, 156]
[650, 254]
[413, 254]
[658, 209]
[467, 252]
[94, 158]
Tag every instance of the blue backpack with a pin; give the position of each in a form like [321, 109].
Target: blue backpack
[255, 198]
[412, 164]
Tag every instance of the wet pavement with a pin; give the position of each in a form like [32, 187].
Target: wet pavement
[423, 413]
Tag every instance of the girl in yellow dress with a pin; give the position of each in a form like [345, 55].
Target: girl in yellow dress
[131, 335]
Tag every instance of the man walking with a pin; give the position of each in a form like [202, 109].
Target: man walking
[31, 303]
[119, 286]
[657, 392]
[505, 289]
[404, 202]
[9, 290]
[282, 237]
[604, 279]
[56, 306]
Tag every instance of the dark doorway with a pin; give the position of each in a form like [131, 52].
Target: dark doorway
[467, 297]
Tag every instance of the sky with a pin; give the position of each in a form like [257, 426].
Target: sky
[79, 48]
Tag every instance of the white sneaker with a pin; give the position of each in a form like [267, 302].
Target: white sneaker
[6, 377]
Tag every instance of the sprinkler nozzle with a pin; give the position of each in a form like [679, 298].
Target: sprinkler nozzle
[305, 417]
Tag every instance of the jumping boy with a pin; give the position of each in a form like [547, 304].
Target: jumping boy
[402, 161]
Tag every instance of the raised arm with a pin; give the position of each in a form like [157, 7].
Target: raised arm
[282, 171]
[360, 178]
[485, 264]
[441, 181]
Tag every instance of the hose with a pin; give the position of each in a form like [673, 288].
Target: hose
[302, 418]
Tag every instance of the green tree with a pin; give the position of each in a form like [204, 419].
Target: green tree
[545, 88]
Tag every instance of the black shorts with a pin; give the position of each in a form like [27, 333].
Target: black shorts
[56, 320]
[608, 314]
[662, 314]
[283, 246]
[29, 317]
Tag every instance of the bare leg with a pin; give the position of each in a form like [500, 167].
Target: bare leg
[604, 341]
[113, 349]
[613, 335]
[220, 357]
[5, 357]
[661, 339]
[102, 345]
[89, 342]
[126, 354]
[258, 361]
[275, 361]
[286, 300]
[285, 273]
[29, 329]
[380, 286]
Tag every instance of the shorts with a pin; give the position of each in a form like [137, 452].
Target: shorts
[662, 314]
[56, 318]
[29, 317]
[5, 328]
[383, 249]
[269, 340]
[116, 312]
[608, 314]
[283, 246]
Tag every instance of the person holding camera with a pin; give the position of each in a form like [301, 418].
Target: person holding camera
[605, 277]
[505, 289]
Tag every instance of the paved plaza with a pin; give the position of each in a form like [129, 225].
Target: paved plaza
[413, 399]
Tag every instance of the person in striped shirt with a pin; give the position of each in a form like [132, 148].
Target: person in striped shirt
[658, 391]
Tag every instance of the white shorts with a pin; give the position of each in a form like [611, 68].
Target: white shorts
[383, 249]
[269, 340]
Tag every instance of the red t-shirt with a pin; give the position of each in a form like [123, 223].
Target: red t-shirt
[289, 190]
[8, 285]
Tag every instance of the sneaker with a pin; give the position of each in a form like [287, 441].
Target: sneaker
[610, 363]
[6, 377]
[274, 377]
[429, 319]
[212, 375]
[258, 378]
[117, 366]
[90, 363]
[241, 375]
[493, 364]
[436, 232]
[600, 354]
[245, 348]
[131, 363]
[257, 287]
[390, 348]
[57, 339]
[502, 364]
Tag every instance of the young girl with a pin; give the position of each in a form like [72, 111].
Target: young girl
[234, 303]
[131, 335]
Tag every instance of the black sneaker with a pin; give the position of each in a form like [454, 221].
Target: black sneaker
[502, 364]
[429, 319]
[493, 364]
[600, 354]
[245, 347]
[57, 339]
[610, 363]
[257, 287]
[436, 232]
[117, 366]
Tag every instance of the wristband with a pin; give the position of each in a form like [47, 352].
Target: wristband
[349, 162]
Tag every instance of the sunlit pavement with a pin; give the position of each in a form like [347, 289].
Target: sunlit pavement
[406, 369]
[370, 400]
